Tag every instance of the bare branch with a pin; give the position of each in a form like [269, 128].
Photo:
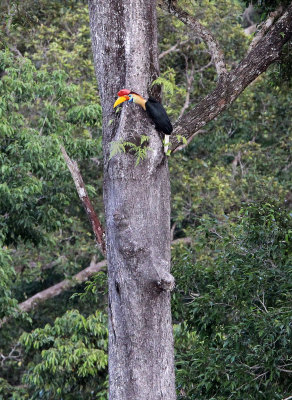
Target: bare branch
[204, 67]
[228, 89]
[185, 240]
[190, 79]
[251, 29]
[14, 355]
[82, 193]
[189, 139]
[60, 287]
[172, 49]
[265, 26]
[200, 30]
[66, 284]
[247, 14]
[235, 162]
[9, 19]
[262, 302]
[57, 289]
[288, 371]
[172, 231]
[15, 50]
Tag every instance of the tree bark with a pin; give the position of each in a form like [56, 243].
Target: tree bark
[83, 196]
[136, 198]
[137, 207]
[264, 51]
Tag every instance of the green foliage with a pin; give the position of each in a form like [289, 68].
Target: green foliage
[232, 304]
[69, 358]
[167, 80]
[37, 115]
[44, 233]
[191, 59]
[7, 274]
[8, 391]
[234, 296]
[140, 151]
[267, 6]
[230, 193]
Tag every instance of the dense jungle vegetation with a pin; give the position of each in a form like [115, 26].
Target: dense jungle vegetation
[231, 201]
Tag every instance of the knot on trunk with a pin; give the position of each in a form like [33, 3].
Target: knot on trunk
[165, 281]
[129, 243]
[121, 219]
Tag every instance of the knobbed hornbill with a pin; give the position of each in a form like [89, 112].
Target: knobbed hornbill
[153, 108]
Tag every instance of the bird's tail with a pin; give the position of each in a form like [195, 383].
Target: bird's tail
[166, 143]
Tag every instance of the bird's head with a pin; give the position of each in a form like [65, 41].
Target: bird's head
[131, 97]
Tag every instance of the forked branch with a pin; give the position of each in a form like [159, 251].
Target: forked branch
[265, 52]
[197, 28]
[265, 26]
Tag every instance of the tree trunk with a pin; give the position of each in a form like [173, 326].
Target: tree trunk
[137, 206]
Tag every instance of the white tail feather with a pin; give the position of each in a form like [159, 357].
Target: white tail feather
[166, 143]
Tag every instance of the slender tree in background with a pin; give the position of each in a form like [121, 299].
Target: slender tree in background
[137, 197]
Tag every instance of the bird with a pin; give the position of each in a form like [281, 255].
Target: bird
[154, 110]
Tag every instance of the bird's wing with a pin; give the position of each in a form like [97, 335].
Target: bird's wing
[157, 113]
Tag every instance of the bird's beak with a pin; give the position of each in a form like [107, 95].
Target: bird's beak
[121, 99]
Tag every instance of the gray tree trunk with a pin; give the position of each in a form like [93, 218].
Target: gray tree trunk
[137, 206]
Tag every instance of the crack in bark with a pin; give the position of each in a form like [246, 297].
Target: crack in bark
[117, 288]
[112, 319]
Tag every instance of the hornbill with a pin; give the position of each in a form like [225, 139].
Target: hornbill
[153, 108]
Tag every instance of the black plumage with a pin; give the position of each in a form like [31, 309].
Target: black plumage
[157, 113]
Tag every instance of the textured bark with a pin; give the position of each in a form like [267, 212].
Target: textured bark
[264, 51]
[137, 207]
[137, 198]
[83, 196]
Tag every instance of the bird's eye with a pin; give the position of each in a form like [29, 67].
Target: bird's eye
[131, 99]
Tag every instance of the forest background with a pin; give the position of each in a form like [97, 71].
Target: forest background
[231, 210]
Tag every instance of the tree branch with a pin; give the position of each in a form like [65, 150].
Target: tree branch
[66, 284]
[264, 53]
[212, 43]
[57, 289]
[189, 79]
[83, 195]
[181, 146]
[60, 287]
[172, 49]
[265, 26]
[14, 355]
[288, 371]
[185, 240]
